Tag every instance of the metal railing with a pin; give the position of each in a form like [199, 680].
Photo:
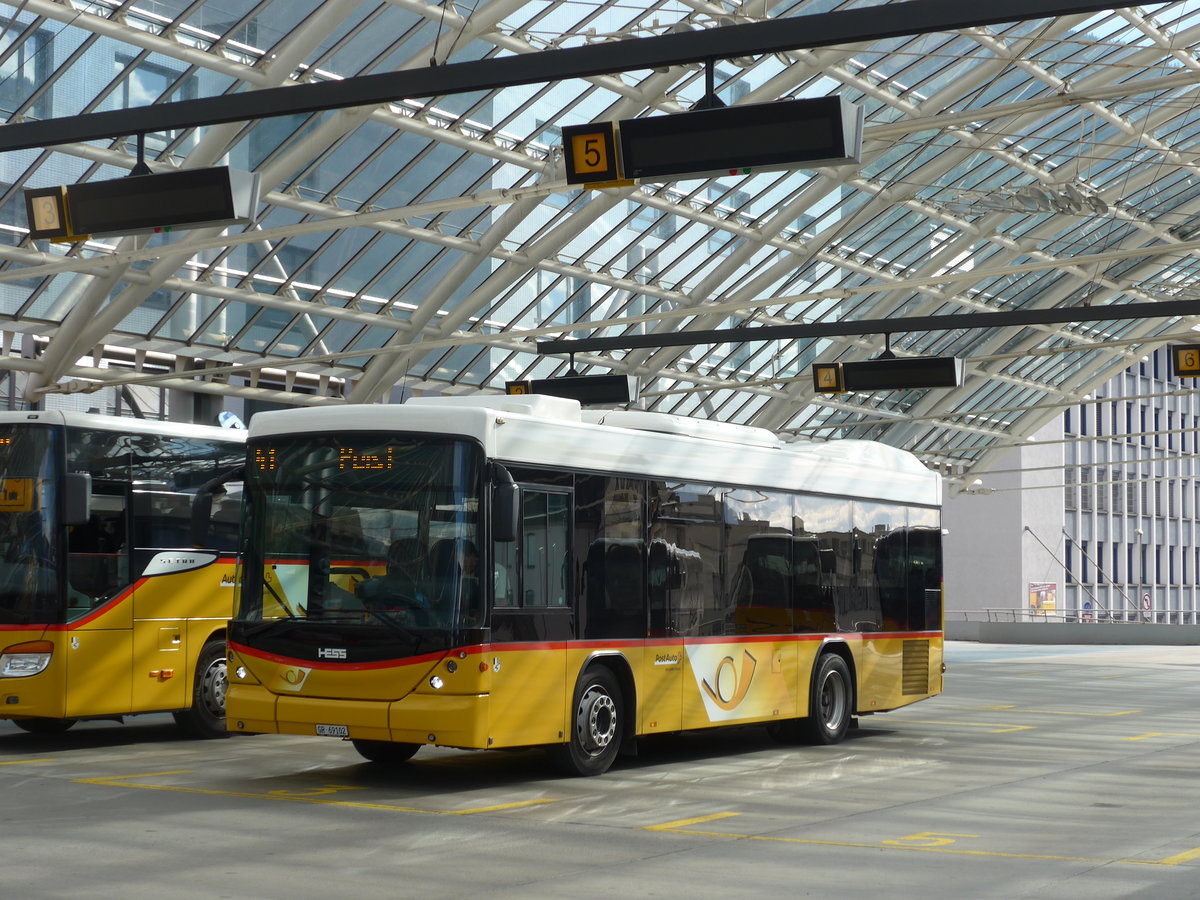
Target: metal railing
[1074, 617]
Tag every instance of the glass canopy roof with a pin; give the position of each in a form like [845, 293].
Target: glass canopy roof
[427, 245]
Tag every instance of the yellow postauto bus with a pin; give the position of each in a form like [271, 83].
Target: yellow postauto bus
[488, 572]
[108, 607]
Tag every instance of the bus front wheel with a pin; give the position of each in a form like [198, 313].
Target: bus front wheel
[385, 751]
[44, 726]
[206, 717]
[596, 725]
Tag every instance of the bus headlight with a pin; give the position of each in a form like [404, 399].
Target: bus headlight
[23, 660]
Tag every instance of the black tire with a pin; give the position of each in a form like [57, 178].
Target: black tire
[44, 726]
[386, 751]
[206, 717]
[597, 726]
[830, 702]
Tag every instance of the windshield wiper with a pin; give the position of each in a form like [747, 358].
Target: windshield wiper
[282, 602]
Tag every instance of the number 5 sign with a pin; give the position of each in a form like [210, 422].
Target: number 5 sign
[590, 152]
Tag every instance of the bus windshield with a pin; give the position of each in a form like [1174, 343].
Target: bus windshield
[364, 530]
[29, 552]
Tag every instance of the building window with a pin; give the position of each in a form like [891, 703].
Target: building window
[146, 83]
[25, 69]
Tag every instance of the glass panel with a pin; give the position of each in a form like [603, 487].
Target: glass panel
[545, 562]
[685, 559]
[29, 551]
[609, 524]
[758, 561]
[97, 555]
[364, 528]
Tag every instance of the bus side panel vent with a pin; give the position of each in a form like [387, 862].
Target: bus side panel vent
[916, 667]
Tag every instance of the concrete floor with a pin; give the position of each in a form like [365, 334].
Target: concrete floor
[1042, 772]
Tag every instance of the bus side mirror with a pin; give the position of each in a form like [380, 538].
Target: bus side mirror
[505, 504]
[77, 498]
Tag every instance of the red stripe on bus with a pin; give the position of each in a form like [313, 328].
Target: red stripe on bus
[534, 646]
[337, 666]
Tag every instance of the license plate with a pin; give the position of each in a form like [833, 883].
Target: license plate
[333, 731]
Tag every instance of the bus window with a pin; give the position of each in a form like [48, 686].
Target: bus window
[615, 578]
[544, 549]
[97, 564]
[812, 600]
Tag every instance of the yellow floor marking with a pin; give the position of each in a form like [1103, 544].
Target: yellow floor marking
[1178, 858]
[308, 796]
[1154, 734]
[23, 762]
[1107, 715]
[680, 828]
[995, 727]
[1047, 712]
[683, 823]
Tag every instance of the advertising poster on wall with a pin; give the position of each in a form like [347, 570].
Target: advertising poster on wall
[1041, 598]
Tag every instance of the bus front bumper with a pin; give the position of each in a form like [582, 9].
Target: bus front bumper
[449, 720]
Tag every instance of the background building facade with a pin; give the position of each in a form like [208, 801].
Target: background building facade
[1100, 507]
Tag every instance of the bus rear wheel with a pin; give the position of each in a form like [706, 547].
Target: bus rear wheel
[829, 702]
[386, 751]
[206, 717]
[596, 726]
[44, 726]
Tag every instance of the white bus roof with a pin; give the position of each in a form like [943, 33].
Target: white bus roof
[550, 431]
[124, 424]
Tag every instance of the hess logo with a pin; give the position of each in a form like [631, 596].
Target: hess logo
[331, 653]
[731, 684]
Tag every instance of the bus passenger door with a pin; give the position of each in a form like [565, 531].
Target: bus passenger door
[171, 578]
[99, 609]
[532, 619]
[661, 701]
